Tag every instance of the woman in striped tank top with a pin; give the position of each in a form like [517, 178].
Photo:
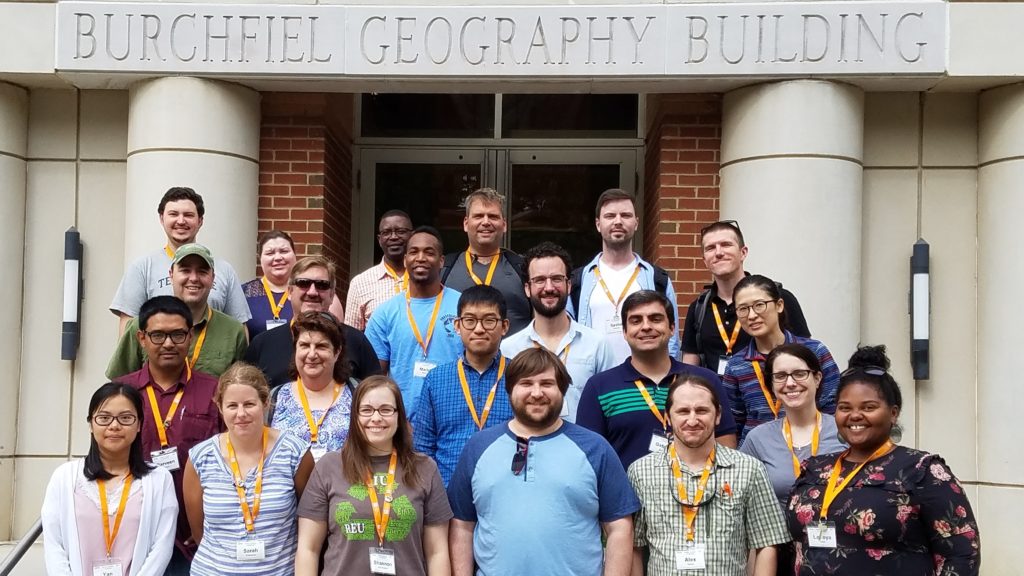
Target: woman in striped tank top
[241, 487]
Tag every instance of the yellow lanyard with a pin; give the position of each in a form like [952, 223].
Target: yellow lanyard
[650, 404]
[275, 307]
[482, 418]
[169, 251]
[690, 508]
[608, 293]
[164, 422]
[200, 340]
[832, 490]
[249, 515]
[314, 425]
[490, 270]
[108, 535]
[774, 405]
[381, 519]
[400, 281]
[787, 432]
[729, 341]
[424, 344]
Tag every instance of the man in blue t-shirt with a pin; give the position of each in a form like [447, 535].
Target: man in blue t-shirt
[414, 332]
[532, 496]
[626, 405]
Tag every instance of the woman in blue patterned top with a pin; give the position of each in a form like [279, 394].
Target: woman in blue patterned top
[241, 488]
[317, 404]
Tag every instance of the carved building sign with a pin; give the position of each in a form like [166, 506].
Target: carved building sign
[642, 40]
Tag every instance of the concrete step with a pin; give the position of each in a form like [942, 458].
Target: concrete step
[32, 563]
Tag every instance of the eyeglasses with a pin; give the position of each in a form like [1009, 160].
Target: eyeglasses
[107, 419]
[519, 458]
[470, 322]
[159, 337]
[758, 307]
[869, 370]
[305, 283]
[730, 223]
[400, 232]
[541, 281]
[798, 376]
[385, 411]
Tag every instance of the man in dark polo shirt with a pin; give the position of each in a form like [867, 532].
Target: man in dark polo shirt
[310, 289]
[626, 404]
[178, 406]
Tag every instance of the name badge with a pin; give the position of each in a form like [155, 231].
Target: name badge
[690, 558]
[317, 451]
[166, 458]
[271, 324]
[250, 550]
[421, 368]
[821, 534]
[659, 442]
[107, 567]
[614, 325]
[382, 561]
[723, 361]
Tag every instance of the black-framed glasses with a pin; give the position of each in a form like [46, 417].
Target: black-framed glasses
[519, 458]
[541, 281]
[305, 283]
[869, 370]
[389, 232]
[159, 336]
[798, 376]
[730, 223]
[108, 419]
[488, 322]
[385, 411]
[758, 307]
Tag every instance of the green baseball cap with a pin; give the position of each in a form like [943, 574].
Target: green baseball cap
[193, 250]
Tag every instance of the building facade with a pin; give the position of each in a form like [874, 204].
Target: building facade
[836, 133]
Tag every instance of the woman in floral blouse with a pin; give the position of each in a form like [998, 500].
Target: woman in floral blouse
[878, 508]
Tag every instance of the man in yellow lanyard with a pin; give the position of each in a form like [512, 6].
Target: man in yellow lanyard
[370, 288]
[178, 407]
[705, 506]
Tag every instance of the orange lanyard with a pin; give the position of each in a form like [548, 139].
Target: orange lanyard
[381, 518]
[108, 535]
[564, 356]
[729, 341]
[424, 344]
[314, 425]
[690, 508]
[787, 432]
[482, 418]
[164, 422]
[400, 281]
[650, 404]
[169, 251]
[490, 270]
[608, 293]
[832, 490]
[277, 306]
[764, 389]
[200, 340]
[249, 515]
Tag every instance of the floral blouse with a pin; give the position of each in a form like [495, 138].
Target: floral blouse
[904, 513]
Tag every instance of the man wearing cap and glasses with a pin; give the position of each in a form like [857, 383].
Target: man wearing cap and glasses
[533, 495]
[372, 287]
[219, 340]
[711, 333]
[310, 289]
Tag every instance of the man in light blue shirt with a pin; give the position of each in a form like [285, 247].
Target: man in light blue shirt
[583, 351]
[414, 332]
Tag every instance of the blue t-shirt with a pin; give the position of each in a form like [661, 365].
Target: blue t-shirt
[546, 520]
[392, 338]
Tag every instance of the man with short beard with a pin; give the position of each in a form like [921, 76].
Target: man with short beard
[583, 351]
[546, 515]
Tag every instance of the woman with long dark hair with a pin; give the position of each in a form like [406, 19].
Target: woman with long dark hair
[110, 513]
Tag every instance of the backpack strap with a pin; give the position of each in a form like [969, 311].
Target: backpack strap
[701, 310]
[449, 263]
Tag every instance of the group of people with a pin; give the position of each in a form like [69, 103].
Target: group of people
[485, 412]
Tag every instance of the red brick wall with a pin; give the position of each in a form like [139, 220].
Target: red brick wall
[681, 196]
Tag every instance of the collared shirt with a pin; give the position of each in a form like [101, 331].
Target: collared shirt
[613, 407]
[369, 289]
[746, 399]
[738, 512]
[442, 424]
[583, 351]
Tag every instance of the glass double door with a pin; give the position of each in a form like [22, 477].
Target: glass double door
[550, 193]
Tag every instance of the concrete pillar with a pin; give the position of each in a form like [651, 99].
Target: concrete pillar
[13, 150]
[198, 133]
[791, 175]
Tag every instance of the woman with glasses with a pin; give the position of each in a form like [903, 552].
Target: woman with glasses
[381, 507]
[802, 431]
[761, 313]
[317, 404]
[110, 513]
[879, 508]
[242, 487]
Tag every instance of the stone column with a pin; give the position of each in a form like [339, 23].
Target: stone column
[791, 175]
[203, 134]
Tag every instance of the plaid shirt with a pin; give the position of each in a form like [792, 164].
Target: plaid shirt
[738, 512]
[368, 289]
